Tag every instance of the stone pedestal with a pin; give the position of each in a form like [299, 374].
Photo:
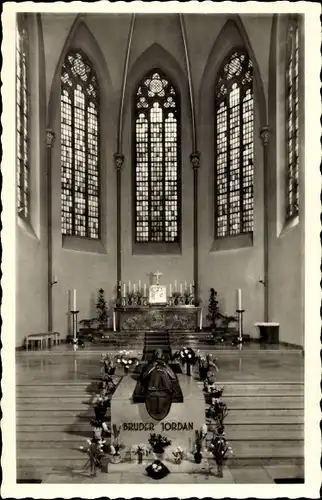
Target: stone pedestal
[179, 425]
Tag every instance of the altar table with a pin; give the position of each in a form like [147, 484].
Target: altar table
[154, 318]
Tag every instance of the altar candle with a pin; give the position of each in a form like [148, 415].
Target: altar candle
[144, 290]
[74, 299]
[175, 286]
[124, 290]
[114, 322]
[134, 287]
[239, 299]
[190, 288]
[55, 279]
[181, 288]
[200, 320]
[170, 290]
[139, 290]
[129, 286]
[185, 286]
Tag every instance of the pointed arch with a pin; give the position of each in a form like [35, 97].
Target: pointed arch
[80, 37]
[232, 36]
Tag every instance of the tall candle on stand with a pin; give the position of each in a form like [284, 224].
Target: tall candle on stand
[139, 290]
[74, 300]
[239, 299]
[190, 288]
[185, 286]
[170, 290]
[144, 289]
[175, 286]
[134, 287]
[181, 288]
[129, 286]
[124, 290]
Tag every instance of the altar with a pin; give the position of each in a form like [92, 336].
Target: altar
[182, 318]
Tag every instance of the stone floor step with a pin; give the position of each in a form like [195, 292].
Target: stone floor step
[47, 436]
[259, 389]
[247, 402]
[278, 416]
[271, 434]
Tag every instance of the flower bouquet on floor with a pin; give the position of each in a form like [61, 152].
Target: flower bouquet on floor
[95, 451]
[157, 470]
[141, 450]
[200, 436]
[186, 356]
[207, 366]
[125, 359]
[219, 448]
[159, 443]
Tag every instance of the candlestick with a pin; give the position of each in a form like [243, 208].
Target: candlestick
[190, 288]
[181, 288]
[134, 287]
[185, 286]
[139, 290]
[124, 290]
[170, 290]
[200, 320]
[73, 301]
[239, 299]
[114, 322]
[144, 290]
[175, 286]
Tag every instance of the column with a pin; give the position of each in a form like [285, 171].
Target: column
[50, 136]
[195, 162]
[264, 135]
[119, 162]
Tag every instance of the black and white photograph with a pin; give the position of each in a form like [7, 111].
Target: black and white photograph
[160, 198]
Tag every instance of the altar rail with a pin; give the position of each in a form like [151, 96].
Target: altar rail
[153, 318]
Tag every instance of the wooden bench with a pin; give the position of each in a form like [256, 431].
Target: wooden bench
[54, 338]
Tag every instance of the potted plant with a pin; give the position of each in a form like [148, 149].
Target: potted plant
[116, 445]
[217, 411]
[200, 436]
[157, 470]
[141, 450]
[95, 451]
[219, 449]
[178, 455]
[158, 444]
[213, 308]
[108, 365]
[102, 311]
[98, 428]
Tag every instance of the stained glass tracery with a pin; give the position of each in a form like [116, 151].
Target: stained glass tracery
[292, 204]
[156, 161]
[22, 119]
[234, 146]
[79, 147]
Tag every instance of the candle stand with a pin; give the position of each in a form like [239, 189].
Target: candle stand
[240, 339]
[74, 316]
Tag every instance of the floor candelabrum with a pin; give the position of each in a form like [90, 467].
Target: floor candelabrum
[74, 324]
[240, 325]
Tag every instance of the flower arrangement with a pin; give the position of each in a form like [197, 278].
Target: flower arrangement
[217, 411]
[141, 450]
[98, 428]
[187, 356]
[108, 366]
[124, 358]
[157, 470]
[116, 445]
[200, 436]
[100, 404]
[219, 448]
[207, 366]
[158, 442]
[178, 454]
[95, 450]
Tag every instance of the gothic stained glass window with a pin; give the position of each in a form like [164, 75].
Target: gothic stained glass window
[234, 146]
[156, 160]
[22, 118]
[80, 164]
[292, 98]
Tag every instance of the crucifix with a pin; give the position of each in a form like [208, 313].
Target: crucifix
[158, 274]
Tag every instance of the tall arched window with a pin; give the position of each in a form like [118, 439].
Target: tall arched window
[234, 146]
[22, 118]
[80, 159]
[292, 124]
[157, 159]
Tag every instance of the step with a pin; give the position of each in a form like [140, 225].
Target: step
[258, 389]
[261, 432]
[48, 436]
[268, 402]
[265, 416]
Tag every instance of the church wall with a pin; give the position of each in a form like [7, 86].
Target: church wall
[156, 40]
[286, 241]
[31, 249]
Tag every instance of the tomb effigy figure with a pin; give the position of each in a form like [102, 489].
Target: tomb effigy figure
[158, 376]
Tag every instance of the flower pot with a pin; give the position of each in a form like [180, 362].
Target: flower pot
[159, 455]
[198, 457]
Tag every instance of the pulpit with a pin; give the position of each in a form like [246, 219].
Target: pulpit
[183, 318]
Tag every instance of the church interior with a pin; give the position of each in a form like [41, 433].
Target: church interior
[160, 204]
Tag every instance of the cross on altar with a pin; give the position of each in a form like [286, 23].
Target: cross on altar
[158, 274]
